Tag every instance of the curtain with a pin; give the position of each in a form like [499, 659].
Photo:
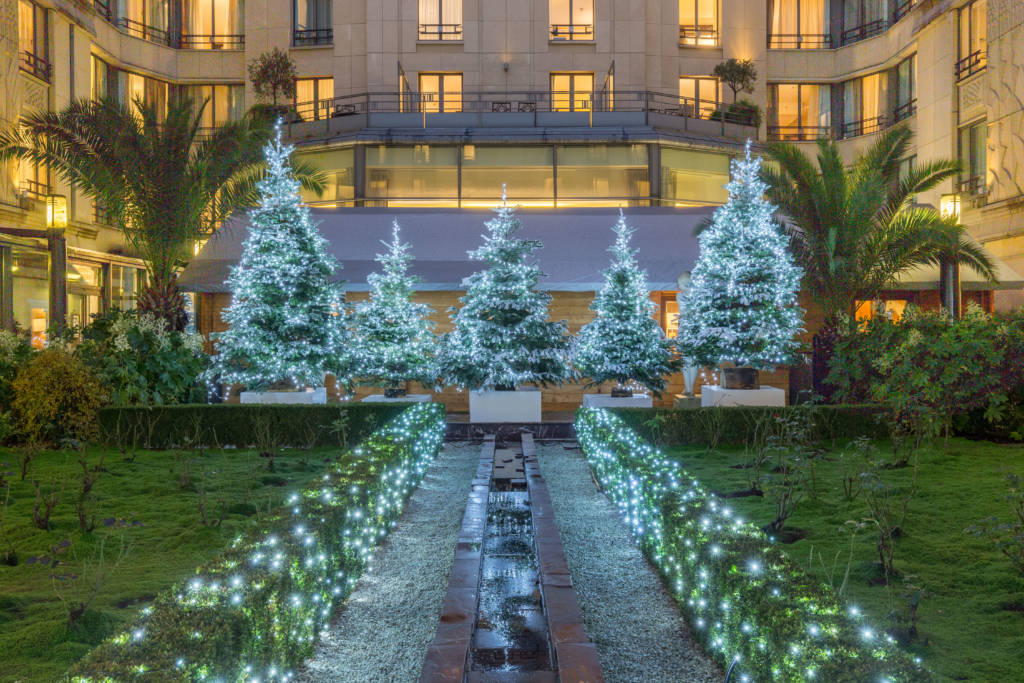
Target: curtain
[872, 92]
[812, 17]
[852, 102]
[451, 12]
[824, 105]
[156, 14]
[430, 12]
[784, 17]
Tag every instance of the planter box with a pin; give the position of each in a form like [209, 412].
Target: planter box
[307, 397]
[522, 405]
[683, 402]
[408, 398]
[609, 401]
[712, 396]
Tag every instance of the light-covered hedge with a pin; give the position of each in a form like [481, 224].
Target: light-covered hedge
[752, 608]
[258, 610]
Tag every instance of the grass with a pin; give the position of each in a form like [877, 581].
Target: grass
[972, 614]
[148, 507]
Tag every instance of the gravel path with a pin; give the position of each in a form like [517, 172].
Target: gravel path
[391, 616]
[638, 631]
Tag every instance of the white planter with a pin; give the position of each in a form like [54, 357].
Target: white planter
[408, 398]
[609, 401]
[711, 396]
[307, 397]
[522, 405]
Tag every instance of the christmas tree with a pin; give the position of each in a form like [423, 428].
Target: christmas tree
[742, 304]
[286, 321]
[502, 337]
[395, 339]
[624, 342]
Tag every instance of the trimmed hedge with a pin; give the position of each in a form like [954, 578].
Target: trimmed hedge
[260, 607]
[751, 606]
[240, 425]
[675, 427]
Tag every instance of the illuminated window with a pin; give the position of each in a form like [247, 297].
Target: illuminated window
[312, 22]
[698, 22]
[225, 104]
[698, 95]
[85, 292]
[417, 175]
[30, 279]
[213, 24]
[798, 24]
[799, 111]
[126, 284]
[152, 92]
[314, 98]
[602, 172]
[572, 91]
[528, 173]
[440, 20]
[863, 105]
[441, 92]
[863, 19]
[887, 308]
[972, 158]
[146, 19]
[33, 43]
[338, 168]
[571, 19]
[972, 39]
[668, 312]
[906, 88]
[690, 178]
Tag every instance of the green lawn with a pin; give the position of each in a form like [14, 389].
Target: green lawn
[148, 505]
[972, 620]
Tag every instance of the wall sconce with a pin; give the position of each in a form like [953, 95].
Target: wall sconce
[56, 211]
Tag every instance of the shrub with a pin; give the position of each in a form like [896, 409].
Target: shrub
[56, 397]
[14, 354]
[260, 608]
[141, 361]
[752, 607]
[234, 424]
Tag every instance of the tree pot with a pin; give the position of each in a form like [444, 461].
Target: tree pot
[741, 378]
[621, 392]
[394, 393]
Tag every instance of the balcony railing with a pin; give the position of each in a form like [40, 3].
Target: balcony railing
[799, 41]
[35, 65]
[973, 185]
[36, 189]
[101, 216]
[867, 126]
[198, 41]
[905, 111]
[572, 31]
[103, 8]
[440, 31]
[798, 133]
[902, 9]
[863, 32]
[698, 36]
[313, 36]
[144, 31]
[970, 65]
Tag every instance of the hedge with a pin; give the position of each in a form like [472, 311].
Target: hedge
[752, 607]
[258, 609]
[241, 425]
[674, 427]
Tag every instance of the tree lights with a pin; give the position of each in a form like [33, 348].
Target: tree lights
[624, 342]
[754, 609]
[259, 609]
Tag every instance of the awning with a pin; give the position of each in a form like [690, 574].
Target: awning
[575, 248]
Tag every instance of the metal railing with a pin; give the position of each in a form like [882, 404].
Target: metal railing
[698, 36]
[101, 216]
[863, 32]
[440, 32]
[970, 65]
[36, 189]
[34, 64]
[144, 31]
[200, 41]
[572, 31]
[973, 185]
[799, 41]
[905, 110]
[313, 36]
[902, 9]
[852, 129]
[798, 133]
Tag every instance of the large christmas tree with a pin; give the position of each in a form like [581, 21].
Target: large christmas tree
[395, 342]
[286, 321]
[502, 337]
[742, 305]
[624, 342]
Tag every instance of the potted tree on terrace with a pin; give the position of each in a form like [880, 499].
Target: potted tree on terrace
[502, 338]
[742, 305]
[624, 343]
[395, 343]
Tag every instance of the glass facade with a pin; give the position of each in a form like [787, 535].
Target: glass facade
[591, 175]
[691, 178]
[339, 168]
[30, 276]
[415, 175]
[85, 292]
[528, 173]
[125, 284]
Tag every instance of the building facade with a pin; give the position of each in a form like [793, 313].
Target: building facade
[571, 104]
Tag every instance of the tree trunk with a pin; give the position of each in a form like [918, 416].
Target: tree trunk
[823, 345]
[164, 299]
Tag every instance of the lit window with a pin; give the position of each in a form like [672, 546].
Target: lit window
[33, 46]
[225, 102]
[972, 39]
[314, 98]
[799, 111]
[146, 19]
[440, 20]
[798, 24]
[883, 308]
[863, 102]
[441, 92]
[698, 22]
[312, 22]
[698, 96]
[571, 19]
[213, 24]
[973, 140]
[572, 91]
[417, 175]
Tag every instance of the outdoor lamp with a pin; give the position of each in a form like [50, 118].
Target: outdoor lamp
[56, 211]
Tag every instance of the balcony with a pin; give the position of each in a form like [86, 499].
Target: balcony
[34, 64]
[905, 111]
[863, 32]
[972, 185]
[799, 41]
[196, 41]
[902, 9]
[104, 9]
[970, 65]
[440, 32]
[312, 36]
[34, 189]
[144, 31]
[799, 133]
[698, 36]
[572, 32]
[853, 129]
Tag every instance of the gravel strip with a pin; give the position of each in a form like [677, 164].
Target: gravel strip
[638, 631]
[384, 630]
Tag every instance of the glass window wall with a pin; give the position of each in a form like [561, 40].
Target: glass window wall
[691, 178]
[85, 292]
[30, 271]
[418, 175]
[338, 167]
[125, 285]
[528, 173]
[601, 172]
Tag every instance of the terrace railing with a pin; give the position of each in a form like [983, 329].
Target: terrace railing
[970, 65]
[902, 8]
[34, 188]
[198, 41]
[852, 129]
[440, 31]
[144, 31]
[799, 41]
[905, 110]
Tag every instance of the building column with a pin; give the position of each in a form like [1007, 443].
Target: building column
[58, 247]
[7, 295]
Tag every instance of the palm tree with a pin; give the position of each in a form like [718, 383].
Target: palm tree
[854, 231]
[165, 181]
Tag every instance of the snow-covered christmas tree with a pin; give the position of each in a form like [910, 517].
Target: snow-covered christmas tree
[394, 339]
[502, 337]
[742, 305]
[286, 321]
[624, 342]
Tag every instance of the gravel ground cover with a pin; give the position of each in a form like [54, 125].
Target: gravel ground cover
[638, 631]
[391, 616]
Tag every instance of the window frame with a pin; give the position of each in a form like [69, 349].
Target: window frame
[973, 178]
[586, 32]
[797, 41]
[905, 104]
[319, 35]
[320, 111]
[34, 59]
[804, 132]
[571, 91]
[447, 30]
[697, 109]
[692, 36]
[442, 90]
[975, 59]
[217, 40]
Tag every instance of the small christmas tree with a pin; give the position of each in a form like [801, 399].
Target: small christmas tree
[624, 342]
[396, 343]
[502, 336]
[286, 321]
[742, 305]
